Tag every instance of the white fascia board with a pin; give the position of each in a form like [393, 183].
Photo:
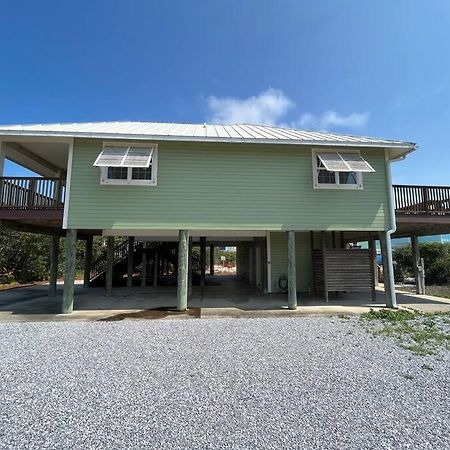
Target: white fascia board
[146, 137]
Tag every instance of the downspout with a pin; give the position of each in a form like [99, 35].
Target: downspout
[393, 226]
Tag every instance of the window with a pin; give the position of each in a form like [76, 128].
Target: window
[128, 164]
[339, 170]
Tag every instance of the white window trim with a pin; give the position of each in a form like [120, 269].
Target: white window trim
[129, 181]
[336, 185]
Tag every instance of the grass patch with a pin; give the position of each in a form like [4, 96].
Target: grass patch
[421, 333]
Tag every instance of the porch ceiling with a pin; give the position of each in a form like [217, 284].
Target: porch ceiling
[46, 158]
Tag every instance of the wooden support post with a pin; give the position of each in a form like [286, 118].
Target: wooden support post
[251, 267]
[202, 261]
[211, 259]
[69, 272]
[155, 268]
[313, 281]
[183, 263]
[144, 268]
[416, 264]
[130, 262]
[189, 268]
[373, 259]
[109, 265]
[54, 256]
[388, 270]
[258, 265]
[292, 271]
[325, 269]
[342, 240]
[373, 266]
[87, 261]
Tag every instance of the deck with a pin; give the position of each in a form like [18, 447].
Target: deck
[32, 203]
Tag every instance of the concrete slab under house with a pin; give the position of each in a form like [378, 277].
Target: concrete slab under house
[165, 197]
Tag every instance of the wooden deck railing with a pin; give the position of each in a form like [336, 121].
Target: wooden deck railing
[422, 199]
[120, 252]
[32, 193]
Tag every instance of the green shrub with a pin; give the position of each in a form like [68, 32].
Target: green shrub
[436, 258]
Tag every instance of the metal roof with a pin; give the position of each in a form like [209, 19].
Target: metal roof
[263, 134]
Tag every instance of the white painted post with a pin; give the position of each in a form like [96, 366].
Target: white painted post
[292, 272]
[388, 270]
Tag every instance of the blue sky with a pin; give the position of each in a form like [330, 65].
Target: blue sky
[377, 68]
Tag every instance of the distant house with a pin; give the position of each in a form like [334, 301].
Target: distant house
[289, 200]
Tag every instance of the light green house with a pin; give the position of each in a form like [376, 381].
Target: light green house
[269, 191]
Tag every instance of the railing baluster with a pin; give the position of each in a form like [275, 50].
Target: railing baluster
[31, 193]
[422, 199]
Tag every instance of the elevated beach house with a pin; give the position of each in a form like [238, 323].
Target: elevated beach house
[291, 202]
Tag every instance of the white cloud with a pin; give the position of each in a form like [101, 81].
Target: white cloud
[332, 119]
[265, 109]
[271, 108]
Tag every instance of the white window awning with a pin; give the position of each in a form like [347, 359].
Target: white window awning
[344, 162]
[124, 157]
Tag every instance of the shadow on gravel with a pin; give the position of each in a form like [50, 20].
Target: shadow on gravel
[157, 313]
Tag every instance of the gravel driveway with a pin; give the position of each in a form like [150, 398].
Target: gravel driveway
[254, 384]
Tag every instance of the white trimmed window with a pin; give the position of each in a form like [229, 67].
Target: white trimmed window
[133, 163]
[339, 170]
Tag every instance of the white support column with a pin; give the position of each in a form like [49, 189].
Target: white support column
[292, 271]
[388, 270]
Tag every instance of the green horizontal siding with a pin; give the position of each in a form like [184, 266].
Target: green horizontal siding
[278, 258]
[225, 186]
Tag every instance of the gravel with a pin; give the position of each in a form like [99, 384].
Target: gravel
[239, 384]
